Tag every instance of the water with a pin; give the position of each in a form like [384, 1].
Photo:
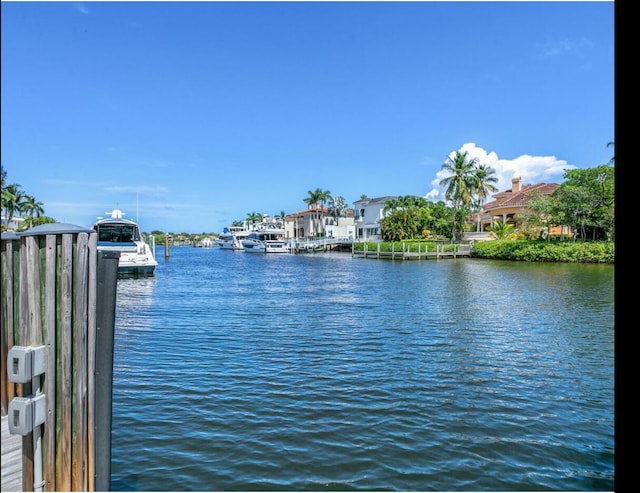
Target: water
[246, 372]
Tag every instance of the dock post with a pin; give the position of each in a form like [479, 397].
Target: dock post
[105, 321]
[166, 245]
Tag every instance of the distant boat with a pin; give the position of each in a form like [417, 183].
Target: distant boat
[116, 234]
[266, 237]
[231, 238]
[205, 243]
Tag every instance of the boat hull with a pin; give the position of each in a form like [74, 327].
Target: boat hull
[230, 244]
[257, 246]
[135, 261]
[232, 238]
[277, 248]
[136, 270]
[252, 246]
[266, 240]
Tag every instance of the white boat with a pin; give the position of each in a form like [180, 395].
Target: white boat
[137, 257]
[206, 243]
[266, 237]
[231, 238]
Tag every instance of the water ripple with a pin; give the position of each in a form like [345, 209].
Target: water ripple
[323, 372]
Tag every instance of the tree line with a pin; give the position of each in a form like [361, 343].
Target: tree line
[16, 201]
[585, 201]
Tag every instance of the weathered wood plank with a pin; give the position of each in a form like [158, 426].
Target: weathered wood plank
[65, 389]
[91, 355]
[23, 339]
[50, 375]
[35, 338]
[79, 430]
[11, 459]
[8, 390]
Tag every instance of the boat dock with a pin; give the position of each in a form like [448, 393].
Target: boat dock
[11, 459]
[324, 244]
[406, 253]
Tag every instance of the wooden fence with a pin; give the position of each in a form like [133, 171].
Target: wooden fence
[50, 291]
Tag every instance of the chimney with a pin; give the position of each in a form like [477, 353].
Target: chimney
[516, 184]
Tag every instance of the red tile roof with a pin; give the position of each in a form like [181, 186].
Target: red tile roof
[323, 210]
[521, 198]
[307, 211]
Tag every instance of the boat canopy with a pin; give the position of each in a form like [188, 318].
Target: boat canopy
[117, 232]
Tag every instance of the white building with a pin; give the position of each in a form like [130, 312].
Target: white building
[316, 222]
[369, 212]
[14, 224]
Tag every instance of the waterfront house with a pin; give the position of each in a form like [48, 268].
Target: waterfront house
[317, 222]
[14, 224]
[509, 203]
[368, 213]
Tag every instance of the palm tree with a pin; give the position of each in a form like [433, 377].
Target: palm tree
[502, 230]
[337, 207]
[312, 199]
[7, 196]
[460, 184]
[485, 177]
[405, 202]
[325, 195]
[12, 197]
[254, 217]
[31, 208]
[315, 200]
[391, 205]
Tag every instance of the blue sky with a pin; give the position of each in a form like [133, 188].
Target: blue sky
[190, 115]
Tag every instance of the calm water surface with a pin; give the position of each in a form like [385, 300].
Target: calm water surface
[244, 372]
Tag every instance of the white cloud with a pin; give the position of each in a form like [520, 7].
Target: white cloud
[552, 48]
[82, 8]
[532, 169]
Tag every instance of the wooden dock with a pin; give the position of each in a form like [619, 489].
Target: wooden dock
[437, 253]
[324, 244]
[11, 459]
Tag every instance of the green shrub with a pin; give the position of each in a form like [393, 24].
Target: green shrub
[542, 251]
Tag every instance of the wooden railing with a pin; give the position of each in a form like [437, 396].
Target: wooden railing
[408, 251]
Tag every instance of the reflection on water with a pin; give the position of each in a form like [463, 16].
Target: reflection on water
[133, 292]
[134, 299]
